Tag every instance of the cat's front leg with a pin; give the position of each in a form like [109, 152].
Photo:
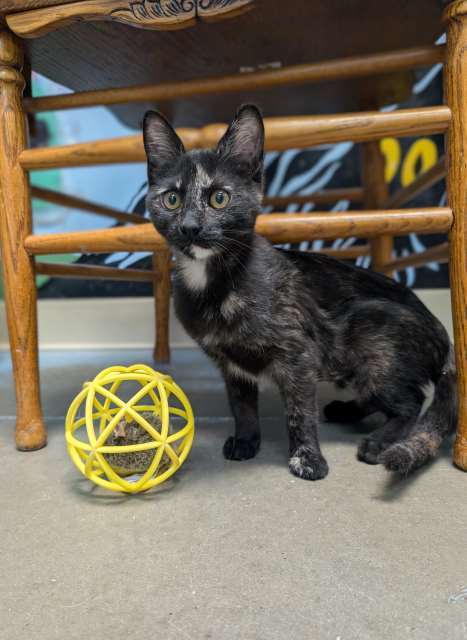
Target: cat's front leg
[300, 397]
[243, 398]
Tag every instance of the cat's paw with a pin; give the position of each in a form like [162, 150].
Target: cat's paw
[398, 458]
[241, 448]
[308, 464]
[369, 450]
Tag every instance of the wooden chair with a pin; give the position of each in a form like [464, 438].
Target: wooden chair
[35, 25]
[159, 276]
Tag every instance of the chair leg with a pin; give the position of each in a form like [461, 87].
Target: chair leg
[376, 193]
[18, 267]
[161, 265]
[455, 82]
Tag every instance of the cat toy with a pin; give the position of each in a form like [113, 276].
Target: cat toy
[129, 444]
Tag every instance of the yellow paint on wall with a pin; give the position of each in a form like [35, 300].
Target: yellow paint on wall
[391, 150]
[422, 152]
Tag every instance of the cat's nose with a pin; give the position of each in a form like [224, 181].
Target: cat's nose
[191, 229]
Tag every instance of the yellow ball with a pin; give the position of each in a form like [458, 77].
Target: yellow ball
[97, 410]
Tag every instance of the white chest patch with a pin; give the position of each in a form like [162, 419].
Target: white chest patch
[201, 253]
[193, 273]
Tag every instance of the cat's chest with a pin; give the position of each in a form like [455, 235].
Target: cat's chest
[218, 319]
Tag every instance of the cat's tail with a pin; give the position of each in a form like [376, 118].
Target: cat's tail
[431, 428]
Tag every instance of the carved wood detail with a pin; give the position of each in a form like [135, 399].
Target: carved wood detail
[146, 14]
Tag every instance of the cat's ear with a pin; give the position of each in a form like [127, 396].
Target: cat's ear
[161, 143]
[243, 141]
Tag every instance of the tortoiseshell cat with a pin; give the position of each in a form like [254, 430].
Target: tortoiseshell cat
[295, 318]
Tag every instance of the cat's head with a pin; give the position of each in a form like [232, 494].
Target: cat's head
[204, 202]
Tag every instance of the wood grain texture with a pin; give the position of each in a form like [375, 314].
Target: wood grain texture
[423, 182]
[124, 149]
[84, 56]
[214, 10]
[454, 10]
[330, 196]
[162, 261]
[277, 227]
[376, 193]
[349, 253]
[352, 67]
[438, 253]
[18, 268]
[72, 202]
[95, 272]
[281, 134]
[455, 83]
[146, 14]
[13, 6]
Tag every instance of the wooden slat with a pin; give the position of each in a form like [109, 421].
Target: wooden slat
[423, 182]
[348, 253]
[352, 67]
[277, 227]
[115, 150]
[376, 192]
[281, 134]
[330, 196]
[64, 200]
[93, 271]
[455, 88]
[439, 253]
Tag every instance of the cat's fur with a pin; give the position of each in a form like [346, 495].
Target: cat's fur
[295, 318]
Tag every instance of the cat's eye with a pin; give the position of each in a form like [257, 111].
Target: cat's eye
[219, 199]
[171, 200]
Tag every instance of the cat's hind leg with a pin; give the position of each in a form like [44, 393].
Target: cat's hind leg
[373, 445]
[400, 401]
[424, 439]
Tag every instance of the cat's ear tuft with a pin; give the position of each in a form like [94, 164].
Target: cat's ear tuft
[161, 143]
[243, 141]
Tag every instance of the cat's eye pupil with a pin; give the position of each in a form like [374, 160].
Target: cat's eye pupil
[172, 200]
[219, 199]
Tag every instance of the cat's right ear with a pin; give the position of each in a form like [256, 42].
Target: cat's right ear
[161, 143]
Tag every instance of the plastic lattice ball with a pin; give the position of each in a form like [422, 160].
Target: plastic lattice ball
[146, 436]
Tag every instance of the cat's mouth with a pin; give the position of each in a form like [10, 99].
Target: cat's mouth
[199, 252]
[198, 249]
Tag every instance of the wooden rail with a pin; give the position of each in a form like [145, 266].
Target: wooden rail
[330, 196]
[346, 253]
[281, 134]
[277, 227]
[93, 271]
[344, 68]
[439, 253]
[64, 200]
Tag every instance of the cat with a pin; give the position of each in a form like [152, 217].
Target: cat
[296, 318]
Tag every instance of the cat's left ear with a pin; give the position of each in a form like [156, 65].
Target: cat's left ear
[243, 142]
[161, 142]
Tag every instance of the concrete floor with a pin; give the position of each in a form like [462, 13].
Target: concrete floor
[225, 550]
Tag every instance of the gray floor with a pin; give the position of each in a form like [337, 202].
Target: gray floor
[225, 550]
